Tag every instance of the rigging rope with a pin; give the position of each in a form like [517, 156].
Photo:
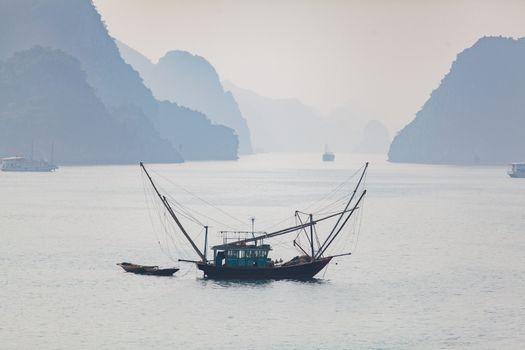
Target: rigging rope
[320, 207]
[199, 198]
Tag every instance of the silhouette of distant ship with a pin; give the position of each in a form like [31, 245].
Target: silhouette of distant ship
[327, 155]
[23, 164]
[517, 170]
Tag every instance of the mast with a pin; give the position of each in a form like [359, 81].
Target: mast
[253, 228]
[329, 241]
[312, 236]
[308, 238]
[344, 211]
[205, 242]
[290, 229]
[172, 213]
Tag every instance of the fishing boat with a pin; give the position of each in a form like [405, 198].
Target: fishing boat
[517, 170]
[248, 258]
[24, 164]
[147, 270]
[328, 156]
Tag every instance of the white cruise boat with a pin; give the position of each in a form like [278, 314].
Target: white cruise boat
[23, 164]
[517, 170]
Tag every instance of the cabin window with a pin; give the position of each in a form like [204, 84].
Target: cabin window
[233, 254]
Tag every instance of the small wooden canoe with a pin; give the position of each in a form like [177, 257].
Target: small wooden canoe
[147, 270]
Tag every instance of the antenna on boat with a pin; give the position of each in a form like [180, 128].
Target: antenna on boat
[205, 242]
[253, 226]
[312, 235]
[174, 217]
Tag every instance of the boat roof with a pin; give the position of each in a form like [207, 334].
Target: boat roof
[232, 246]
[522, 163]
[13, 158]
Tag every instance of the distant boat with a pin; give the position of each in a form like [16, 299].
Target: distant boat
[327, 155]
[247, 258]
[517, 170]
[147, 270]
[23, 164]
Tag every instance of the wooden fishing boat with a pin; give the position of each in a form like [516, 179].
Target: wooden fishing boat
[247, 258]
[147, 270]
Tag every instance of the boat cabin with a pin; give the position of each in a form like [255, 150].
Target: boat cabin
[517, 170]
[233, 255]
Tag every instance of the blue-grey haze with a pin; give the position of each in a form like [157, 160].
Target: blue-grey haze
[75, 28]
[290, 125]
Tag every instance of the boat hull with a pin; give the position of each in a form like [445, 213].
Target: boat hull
[516, 176]
[45, 170]
[147, 270]
[328, 157]
[302, 271]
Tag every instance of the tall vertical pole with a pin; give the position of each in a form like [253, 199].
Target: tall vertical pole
[312, 235]
[172, 213]
[52, 152]
[253, 228]
[205, 242]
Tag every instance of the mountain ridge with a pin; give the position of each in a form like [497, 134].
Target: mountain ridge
[67, 114]
[191, 81]
[75, 27]
[476, 114]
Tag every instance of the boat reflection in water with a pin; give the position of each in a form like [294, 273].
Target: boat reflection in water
[248, 258]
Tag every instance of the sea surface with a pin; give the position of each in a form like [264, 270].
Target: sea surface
[438, 258]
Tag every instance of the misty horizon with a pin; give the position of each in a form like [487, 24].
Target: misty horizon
[357, 51]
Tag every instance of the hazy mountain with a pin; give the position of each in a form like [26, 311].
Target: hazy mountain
[476, 115]
[347, 131]
[45, 99]
[290, 125]
[375, 139]
[191, 81]
[205, 141]
[75, 27]
[279, 124]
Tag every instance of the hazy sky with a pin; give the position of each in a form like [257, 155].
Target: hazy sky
[380, 59]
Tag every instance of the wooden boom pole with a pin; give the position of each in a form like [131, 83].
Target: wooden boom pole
[172, 213]
[321, 249]
[329, 241]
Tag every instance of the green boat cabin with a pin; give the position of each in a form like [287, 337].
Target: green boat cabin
[242, 255]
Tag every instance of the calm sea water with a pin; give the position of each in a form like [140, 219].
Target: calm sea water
[439, 263]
